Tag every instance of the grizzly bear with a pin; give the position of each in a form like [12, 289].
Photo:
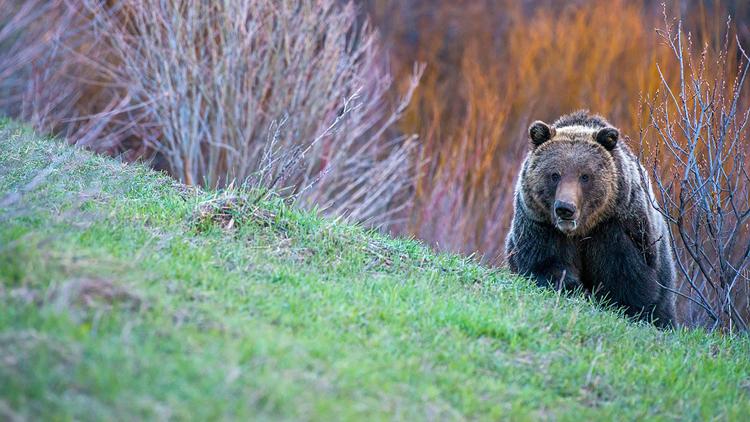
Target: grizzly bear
[584, 219]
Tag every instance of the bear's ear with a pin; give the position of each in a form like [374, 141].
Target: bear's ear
[540, 132]
[607, 137]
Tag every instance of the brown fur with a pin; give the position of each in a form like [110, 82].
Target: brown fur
[576, 155]
[583, 219]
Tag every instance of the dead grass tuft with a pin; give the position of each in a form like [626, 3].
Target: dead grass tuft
[186, 192]
[231, 212]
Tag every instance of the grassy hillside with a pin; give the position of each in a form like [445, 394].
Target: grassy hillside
[125, 296]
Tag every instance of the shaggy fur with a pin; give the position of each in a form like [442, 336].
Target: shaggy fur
[617, 245]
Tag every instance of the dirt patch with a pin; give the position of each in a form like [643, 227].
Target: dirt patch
[92, 292]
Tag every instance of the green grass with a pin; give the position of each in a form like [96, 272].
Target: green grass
[120, 298]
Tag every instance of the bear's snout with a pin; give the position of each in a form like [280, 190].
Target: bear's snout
[565, 206]
[565, 210]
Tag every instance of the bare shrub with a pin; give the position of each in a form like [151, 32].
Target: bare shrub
[696, 146]
[289, 94]
[24, 42]
[49, 79]
[18, 32]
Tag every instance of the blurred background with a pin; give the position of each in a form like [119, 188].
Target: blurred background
[407, 115]
[495, 66]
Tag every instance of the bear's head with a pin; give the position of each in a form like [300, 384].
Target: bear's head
[570, 177]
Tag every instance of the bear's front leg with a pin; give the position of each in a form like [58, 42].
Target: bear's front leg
[555, 274]
[543, 255]
[617, 270]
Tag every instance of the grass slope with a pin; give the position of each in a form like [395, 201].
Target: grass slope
[121, 299]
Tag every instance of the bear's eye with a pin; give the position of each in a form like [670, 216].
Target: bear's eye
[584, 178]
[555, 177]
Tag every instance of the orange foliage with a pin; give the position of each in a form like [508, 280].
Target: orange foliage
[492, 68]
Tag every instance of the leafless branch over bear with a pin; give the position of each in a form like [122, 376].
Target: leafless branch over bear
[582, 219]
